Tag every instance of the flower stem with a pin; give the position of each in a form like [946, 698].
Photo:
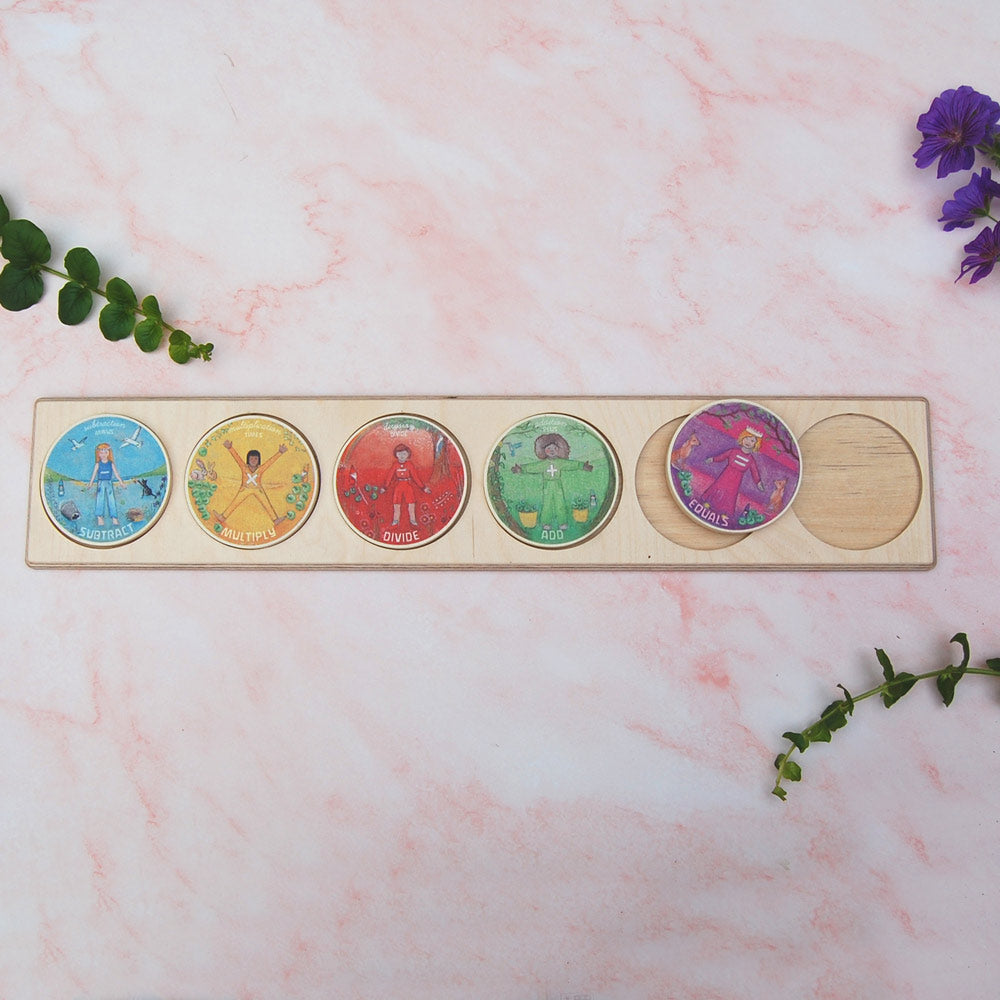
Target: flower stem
[991, 151]
[100, 291]
[788, 770]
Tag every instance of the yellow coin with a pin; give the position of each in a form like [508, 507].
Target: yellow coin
[252, 481]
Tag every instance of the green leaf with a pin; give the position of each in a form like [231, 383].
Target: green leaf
[946, 681]
[896, 685]
[148, 334]
[798, 739]
[151, 308]
[20, 287]
[179, 347]
[896, 688]
[120, 292]
[963, 640]
[993, 663]
[4, 212]
[951, 675]
[116, 321]
[81, 265]
[835, 715]
[75, 303]
[787, 768]
[848, 700]
[25, 244]
[887, 672]
[182, 349]
[818, 732]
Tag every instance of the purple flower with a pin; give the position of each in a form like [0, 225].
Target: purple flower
[971, 202]
[984, 252]
[956, 122]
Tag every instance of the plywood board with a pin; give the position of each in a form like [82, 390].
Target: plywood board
[865, 500]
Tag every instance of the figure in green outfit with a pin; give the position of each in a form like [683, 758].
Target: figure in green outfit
[553, 453]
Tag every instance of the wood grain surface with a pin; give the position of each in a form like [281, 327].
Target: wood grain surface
[865, 501]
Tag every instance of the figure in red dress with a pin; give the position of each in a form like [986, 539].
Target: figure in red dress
[402, 478]
[723, 494]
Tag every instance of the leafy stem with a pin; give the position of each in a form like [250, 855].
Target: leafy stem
[895, 685]
[991, 150]
[27, 251]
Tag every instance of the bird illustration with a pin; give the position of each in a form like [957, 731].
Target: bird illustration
[77, 444]
[132, 439]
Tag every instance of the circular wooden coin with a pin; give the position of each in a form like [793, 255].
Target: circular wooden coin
[252, 481]
[734, 466]
[553, 481]
[105, 481]
[402, 481]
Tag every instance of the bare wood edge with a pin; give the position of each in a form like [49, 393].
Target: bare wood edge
[523, 558]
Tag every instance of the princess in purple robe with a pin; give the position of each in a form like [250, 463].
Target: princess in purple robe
[723, 494]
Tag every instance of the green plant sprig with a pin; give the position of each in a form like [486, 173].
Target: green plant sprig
[27, 251]
[835, 716]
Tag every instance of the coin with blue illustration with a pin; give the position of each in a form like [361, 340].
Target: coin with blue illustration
[105, 481]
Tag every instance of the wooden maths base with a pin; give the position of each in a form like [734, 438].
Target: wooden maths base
[864, 501]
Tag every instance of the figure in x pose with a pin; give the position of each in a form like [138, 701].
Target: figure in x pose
[251, 485]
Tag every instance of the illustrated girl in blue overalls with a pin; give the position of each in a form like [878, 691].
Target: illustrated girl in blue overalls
[105, 471]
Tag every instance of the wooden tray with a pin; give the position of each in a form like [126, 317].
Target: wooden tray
[865, 501]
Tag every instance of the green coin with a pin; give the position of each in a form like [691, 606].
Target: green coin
[553, 481]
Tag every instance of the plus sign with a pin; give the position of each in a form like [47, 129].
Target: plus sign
[552, 471]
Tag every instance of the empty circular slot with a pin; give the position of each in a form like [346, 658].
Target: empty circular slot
[658, 504]
[862, 483]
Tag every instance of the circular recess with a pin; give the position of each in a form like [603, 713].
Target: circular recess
[660, 507]
[864, 482]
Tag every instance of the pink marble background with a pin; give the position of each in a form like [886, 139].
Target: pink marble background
[225, 786]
